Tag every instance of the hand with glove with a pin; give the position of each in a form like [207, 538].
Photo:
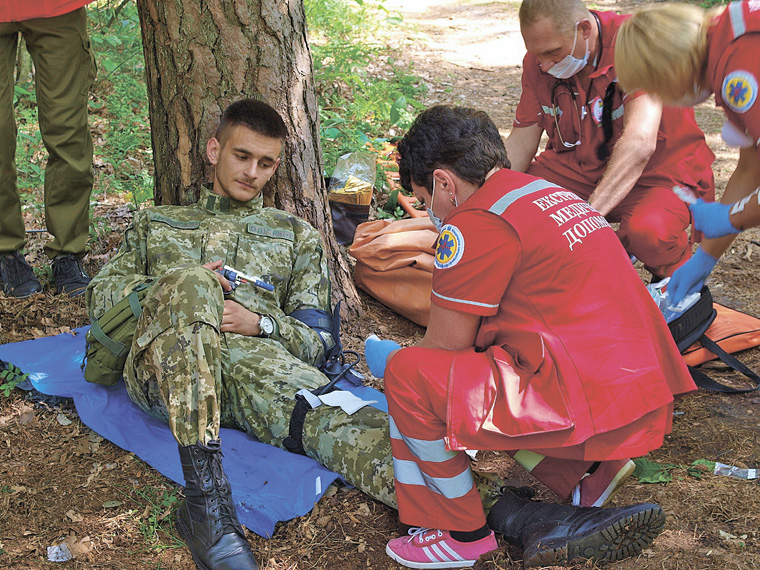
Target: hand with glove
[376, 354]
[690, 277]
[712, 218]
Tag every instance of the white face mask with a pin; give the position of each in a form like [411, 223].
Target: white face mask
[570, 65]
[433, 218]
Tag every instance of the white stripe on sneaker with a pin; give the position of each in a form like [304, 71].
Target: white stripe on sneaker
[450, 550]
[432, 555]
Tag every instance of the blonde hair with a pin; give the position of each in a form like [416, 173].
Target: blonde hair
[563, 13]
[663, 50]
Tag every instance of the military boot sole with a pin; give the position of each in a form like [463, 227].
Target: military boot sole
[625, 537]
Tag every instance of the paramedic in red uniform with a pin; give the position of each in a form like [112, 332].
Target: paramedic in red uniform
[542, 341]
[619, 151]
[682, 54]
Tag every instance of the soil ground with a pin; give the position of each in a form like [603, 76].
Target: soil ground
[60, 481]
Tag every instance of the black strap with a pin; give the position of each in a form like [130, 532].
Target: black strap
[294, 441]
[704, 381]
[603, 152]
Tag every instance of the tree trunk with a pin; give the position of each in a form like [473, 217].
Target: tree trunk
[200, 56]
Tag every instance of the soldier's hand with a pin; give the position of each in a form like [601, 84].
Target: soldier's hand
[213, 266]
[237, 319]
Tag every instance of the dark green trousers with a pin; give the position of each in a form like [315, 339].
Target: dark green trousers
[64, 72]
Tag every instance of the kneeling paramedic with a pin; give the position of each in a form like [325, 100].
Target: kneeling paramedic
[205, 356]
[542, 341]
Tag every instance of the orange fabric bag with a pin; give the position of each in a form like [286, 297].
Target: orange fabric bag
[394, 264]
[732, 330]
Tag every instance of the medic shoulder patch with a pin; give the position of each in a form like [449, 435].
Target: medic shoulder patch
[449, 247]
[739, 90]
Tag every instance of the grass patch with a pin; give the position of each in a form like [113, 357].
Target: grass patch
[365, 96]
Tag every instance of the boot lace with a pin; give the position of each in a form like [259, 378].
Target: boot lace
[423, 534]
[222, 495]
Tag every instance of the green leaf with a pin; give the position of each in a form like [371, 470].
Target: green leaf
[399, 105]
[392, 203]
[648, 471]
[109, 65]
[695, 471]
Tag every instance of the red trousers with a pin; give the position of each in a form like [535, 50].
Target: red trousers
[653, 221]
[434, 486]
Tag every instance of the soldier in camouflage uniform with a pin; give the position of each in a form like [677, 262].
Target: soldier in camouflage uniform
[199, 358]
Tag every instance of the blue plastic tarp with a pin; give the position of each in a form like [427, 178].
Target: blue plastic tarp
[268, 484]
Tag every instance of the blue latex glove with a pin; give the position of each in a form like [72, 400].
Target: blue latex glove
[712, 218]
[376, 353]
[690, 276]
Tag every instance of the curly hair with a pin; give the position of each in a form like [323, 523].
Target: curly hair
[460, 139]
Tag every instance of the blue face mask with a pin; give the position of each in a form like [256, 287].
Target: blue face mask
[433, 218]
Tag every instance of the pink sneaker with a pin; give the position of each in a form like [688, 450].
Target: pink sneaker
[597, 489]
[430, 548]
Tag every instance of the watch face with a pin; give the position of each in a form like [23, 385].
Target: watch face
[266, 325]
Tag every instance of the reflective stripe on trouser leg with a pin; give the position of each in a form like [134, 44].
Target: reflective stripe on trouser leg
[434, 486]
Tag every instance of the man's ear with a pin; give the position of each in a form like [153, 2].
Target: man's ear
[212, 150]
[585, 28]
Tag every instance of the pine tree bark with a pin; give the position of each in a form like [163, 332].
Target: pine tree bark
[200, 56]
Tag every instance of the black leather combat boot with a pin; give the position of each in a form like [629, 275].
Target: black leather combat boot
[207, 520]
[552, 534]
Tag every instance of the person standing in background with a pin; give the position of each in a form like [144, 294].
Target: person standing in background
[56, 37]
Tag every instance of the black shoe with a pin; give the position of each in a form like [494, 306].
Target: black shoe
[69, 275]
[17, 276]
[207, 520]
[552, 534]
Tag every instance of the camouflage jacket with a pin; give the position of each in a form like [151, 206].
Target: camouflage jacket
[278, 247]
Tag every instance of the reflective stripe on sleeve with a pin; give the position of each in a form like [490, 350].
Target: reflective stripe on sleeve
[506, 201]
[738, 24]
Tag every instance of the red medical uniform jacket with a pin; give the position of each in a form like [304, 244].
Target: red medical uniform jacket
[733, 65]
[577, 346]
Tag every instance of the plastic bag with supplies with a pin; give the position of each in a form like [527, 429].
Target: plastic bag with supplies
[350, 193]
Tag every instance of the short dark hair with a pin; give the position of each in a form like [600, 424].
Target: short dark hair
[254, 114]
[460, 139]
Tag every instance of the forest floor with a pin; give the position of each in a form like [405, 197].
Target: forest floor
[61, 481]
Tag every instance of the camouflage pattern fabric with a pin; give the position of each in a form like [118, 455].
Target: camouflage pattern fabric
[183, 370]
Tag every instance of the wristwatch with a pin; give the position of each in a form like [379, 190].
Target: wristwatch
[266, 326]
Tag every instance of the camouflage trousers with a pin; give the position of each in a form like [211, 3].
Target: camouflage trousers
[183, 370]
